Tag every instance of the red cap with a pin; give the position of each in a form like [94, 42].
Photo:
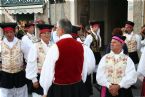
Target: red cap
[29, 25]
[94, 23]
[8, 26]
[8, 29]
[45, 30]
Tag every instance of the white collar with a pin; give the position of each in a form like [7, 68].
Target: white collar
[131, 33]
[116, 54]
[97, 32]
[43, 42]
[30, 35]
[10, 44]
[14, 40]
[65, 36]
[48, 45]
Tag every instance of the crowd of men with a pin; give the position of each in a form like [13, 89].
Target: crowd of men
[63, 63]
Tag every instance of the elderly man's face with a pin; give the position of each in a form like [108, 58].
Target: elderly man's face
[10, 35]
[59, 30]
[46, 37]
[116, 46]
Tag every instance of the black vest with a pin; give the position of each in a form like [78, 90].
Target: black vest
[95, 44]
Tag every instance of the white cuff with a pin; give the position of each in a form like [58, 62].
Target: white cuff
[108, 85]
[120, 84]
[45, 92]
[34, 80]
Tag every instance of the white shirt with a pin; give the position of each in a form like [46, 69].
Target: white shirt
[142, 45]
[48, 69]
[55, 37]
[89, 38]
[129, 78]
[26, 43]
[141, 65]
[137, 38]
[31, 67]
[79, 40]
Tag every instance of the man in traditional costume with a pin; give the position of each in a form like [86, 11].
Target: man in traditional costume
[12, 79]
[133, 42]
[66, 65]
[36, 58]
[29, 39]
[116, 71]
[93, 40]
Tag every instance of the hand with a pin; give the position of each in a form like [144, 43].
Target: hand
[141, 78]
[36, 84]
[113, 89]
[44, 96]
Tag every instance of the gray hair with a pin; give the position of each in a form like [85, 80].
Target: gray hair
[66, 25]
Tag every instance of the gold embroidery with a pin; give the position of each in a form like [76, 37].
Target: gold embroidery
[131, 44]
[115, 68]
[12, 59]
[41, 56]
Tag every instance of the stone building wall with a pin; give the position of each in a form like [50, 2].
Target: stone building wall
[137, 15]
[58, 11]
[0, 14]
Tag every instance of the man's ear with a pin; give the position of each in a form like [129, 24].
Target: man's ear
[62, 31]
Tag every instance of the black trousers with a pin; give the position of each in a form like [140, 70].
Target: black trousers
[134, 57]
[122, 93]
[88, 84]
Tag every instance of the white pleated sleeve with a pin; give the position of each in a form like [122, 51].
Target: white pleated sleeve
[100, 76]
[47, 72]
[26, 45]
[138, 40]
[89, 62]
[31, 67]
[130, 77]
[88, 40]
[141, 65]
